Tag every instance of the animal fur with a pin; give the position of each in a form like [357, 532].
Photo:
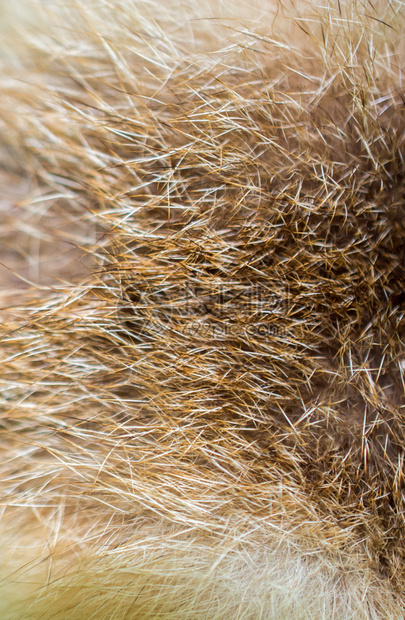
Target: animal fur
[202, 359]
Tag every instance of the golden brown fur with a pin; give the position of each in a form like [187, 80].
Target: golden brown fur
[203, 416]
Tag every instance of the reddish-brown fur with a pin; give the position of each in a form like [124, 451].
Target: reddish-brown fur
[203, 401]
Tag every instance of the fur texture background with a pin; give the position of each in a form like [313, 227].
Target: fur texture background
[202, 358]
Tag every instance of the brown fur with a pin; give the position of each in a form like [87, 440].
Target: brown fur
[210, 423]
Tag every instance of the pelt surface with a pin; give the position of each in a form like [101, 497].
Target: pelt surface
[202, 310]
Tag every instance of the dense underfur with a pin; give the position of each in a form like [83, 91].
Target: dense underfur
[202, 408]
